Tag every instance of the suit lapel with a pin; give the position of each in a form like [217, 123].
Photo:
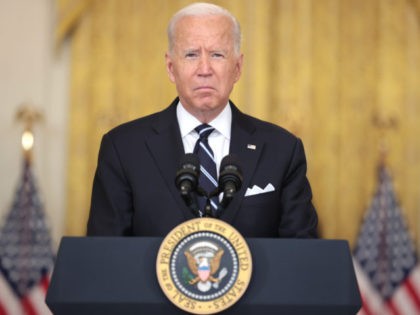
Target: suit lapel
[166, 148]
[247, 147]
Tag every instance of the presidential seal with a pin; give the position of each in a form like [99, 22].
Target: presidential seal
[204, 266]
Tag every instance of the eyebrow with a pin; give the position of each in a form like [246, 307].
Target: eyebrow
[219, 51]
[191, 50]
[197, 50]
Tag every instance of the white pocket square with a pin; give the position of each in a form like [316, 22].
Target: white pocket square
[255, 190]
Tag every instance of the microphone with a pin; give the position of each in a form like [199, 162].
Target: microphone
[186, 179]
[230, 178]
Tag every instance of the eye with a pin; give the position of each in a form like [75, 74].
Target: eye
[191, 55]
[217, 55]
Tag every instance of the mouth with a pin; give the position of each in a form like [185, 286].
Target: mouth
[204, 88]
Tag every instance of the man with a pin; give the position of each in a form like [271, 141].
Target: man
[134, 190]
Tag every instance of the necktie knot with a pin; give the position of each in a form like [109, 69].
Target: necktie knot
[204, 131]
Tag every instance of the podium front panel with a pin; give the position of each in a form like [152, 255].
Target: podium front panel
[117, 275]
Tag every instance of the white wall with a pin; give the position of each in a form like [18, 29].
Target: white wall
[32, 71]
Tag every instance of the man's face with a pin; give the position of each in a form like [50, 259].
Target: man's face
[203, 64]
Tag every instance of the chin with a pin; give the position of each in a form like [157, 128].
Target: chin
[210, 102]
[210, 107]
[203, 104]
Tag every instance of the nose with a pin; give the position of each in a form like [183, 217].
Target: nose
[204, 66]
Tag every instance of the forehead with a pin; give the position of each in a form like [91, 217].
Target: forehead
[208, 29]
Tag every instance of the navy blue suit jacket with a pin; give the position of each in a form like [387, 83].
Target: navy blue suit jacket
[134, 189]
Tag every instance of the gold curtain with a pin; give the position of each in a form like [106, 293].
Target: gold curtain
[341, 74]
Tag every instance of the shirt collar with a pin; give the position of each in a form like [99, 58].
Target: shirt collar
[187, 122]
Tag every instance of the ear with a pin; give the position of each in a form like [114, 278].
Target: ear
[170, 67]
[238, 67]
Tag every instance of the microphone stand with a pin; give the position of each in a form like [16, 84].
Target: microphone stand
[208, 213]
[220, 207]
[191, 201]
[207, 210]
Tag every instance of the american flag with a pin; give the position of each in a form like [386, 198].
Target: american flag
[385, 259]
[26, 256]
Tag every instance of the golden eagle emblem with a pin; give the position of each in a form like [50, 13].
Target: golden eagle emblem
[203, 259]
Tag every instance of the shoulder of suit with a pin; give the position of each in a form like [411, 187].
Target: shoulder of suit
[134, 124]
[266, 127]
[144, 124]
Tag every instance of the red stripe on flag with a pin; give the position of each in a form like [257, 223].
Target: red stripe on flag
[414, 295]
[392, 308]
[28, 307]
[365, 307]
[45, 282]
[2, 310]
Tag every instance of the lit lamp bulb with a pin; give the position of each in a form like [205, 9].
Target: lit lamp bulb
[27, 140]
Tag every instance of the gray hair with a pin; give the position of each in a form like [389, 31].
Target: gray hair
[203, 9]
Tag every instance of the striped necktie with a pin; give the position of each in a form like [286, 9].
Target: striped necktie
[208, 176]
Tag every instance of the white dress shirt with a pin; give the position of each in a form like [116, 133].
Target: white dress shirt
[219, 139]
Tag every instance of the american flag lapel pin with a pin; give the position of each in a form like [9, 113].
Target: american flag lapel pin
[251, 146]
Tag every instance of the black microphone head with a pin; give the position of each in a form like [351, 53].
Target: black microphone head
[188, 171]
[190, 160]
[230, 172]
[230, 159]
